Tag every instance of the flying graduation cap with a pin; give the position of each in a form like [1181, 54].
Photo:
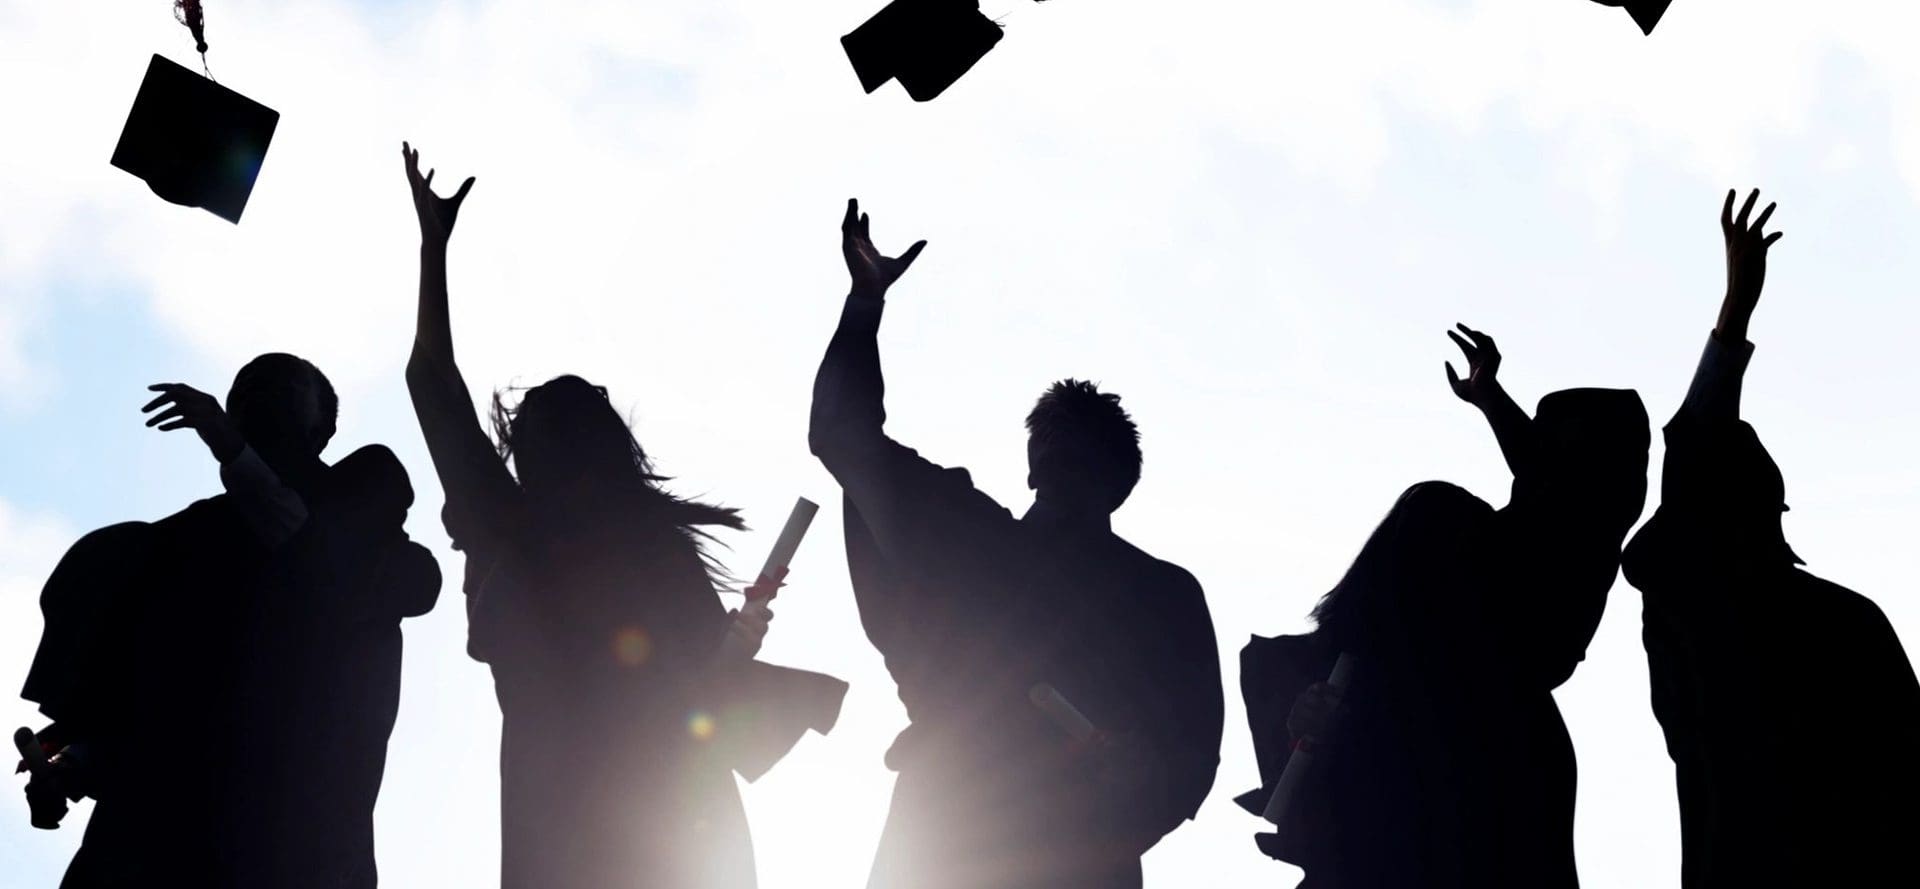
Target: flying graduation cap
[924, 44]
[195, 142]
[1646, 13]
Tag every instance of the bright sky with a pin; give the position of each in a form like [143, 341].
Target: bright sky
[1252, 220]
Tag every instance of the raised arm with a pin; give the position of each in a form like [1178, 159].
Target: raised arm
[469, 468]
[272, 510]
[849, 391]
[1715, 392]
[1512, 428]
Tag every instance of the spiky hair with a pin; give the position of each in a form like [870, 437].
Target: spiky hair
[1076, 422]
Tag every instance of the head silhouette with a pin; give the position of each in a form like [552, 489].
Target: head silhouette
[1403, 590]
[284, 407]
[1593, 451]
[1083, 450]
[574, 454]
[565, 437]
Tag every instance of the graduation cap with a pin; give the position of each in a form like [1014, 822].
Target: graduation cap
[925, 44]
[195, 142]
[1646, 13]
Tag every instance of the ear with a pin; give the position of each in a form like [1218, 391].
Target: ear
[1031, 485]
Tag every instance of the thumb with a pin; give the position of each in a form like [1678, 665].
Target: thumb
[913, 252]
[466, 186]
[1452, 377]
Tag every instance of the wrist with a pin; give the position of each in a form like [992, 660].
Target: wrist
[1488, 396]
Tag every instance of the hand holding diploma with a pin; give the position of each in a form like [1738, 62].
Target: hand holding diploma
[1121, 759]
[1314, 719]
[750, 622]
[45, 799]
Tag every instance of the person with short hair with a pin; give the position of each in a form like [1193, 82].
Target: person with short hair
[224, 681]
[973, 608]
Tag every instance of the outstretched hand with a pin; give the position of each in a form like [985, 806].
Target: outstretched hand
[1747, 249]
[872, 272]
[188, 408]
[1483, 366]
[436, 214]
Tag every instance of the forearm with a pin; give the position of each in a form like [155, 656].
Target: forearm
[433, 326]
[273, 511]
[849, 392]
[1714, 394]
[1512, 428]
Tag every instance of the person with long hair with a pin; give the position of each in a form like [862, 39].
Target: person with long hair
[1444, 762]
[628, 694]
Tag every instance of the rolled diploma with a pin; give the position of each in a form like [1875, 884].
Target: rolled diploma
[789, 540]
[1064, 714]
[29, 747]
[1285, 790]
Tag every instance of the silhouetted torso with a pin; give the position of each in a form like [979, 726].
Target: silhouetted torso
[1453, 766]
[237, 696]
[970, 608]
[1790, 709]
[595, 647]
[620, 727]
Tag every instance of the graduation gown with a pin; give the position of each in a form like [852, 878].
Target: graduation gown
[1790, 708]
[620, 730]
[970, 608]
[235, 698]
[1453, 766]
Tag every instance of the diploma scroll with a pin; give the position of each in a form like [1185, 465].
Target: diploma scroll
[1064, 713]
[789, 541]
[1286, 791]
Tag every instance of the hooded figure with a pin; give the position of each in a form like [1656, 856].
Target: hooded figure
[1790, 709]
[1451, 765]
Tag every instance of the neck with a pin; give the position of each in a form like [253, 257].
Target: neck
[1054, 514]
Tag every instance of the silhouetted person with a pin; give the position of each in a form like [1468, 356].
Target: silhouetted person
[627, 693]
[1449, 765]
[1790, 709]
[224, 681]
[972, 608]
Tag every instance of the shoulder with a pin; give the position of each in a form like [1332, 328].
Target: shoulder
[112, 536]
[1164, 577]
[1854, 613]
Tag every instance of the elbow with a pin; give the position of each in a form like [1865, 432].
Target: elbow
[426, 371]
[826, 438]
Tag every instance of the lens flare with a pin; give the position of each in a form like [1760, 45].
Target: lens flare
[700, 726]
[632, 646]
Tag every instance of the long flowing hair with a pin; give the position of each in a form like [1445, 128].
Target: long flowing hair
[568, 420]
[1396, 597]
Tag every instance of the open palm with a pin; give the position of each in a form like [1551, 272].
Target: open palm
[872, 272]
[436, 213]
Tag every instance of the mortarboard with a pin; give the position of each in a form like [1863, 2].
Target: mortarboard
[1646, 13]
[195, 142]
[925, 44]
